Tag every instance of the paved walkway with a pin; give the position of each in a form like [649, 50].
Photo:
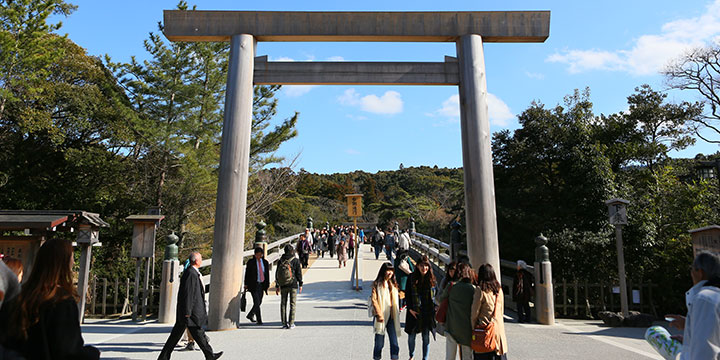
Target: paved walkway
[332, 323]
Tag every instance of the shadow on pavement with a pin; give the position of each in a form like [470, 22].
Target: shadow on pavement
[143, 347]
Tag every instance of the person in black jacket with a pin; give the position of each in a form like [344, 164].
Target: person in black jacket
[43, 322]
[257, 281]
[191, 313]
[523, 290]
[419, 297]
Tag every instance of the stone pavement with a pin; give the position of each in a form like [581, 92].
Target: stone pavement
[332, 323]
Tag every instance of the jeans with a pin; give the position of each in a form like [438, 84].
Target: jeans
[425, 344]
[380, 341]
[378, 250]
[388, 252]
[289, 293]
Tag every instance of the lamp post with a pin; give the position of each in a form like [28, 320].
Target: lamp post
[617, 211]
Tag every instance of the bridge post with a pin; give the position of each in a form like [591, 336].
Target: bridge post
[261, 237]
[170, 284]
[477, 154]
[229, 237]
[544, 294]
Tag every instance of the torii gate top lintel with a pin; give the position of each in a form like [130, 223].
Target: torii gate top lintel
[493, 26]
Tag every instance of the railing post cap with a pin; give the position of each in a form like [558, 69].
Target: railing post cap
[541, 240]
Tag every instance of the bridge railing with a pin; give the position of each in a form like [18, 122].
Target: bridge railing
[438, 253]
[274, 252]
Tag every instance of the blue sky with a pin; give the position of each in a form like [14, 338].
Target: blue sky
[610, 46]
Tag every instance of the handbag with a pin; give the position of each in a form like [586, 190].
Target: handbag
[243, 302]
[484, 338]
[441, 313]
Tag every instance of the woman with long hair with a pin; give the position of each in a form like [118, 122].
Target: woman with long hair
[44, 320]
[488, 300]
[458, 331]
[386, 311]
[420, 317]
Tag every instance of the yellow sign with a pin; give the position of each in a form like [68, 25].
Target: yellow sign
[354, 205]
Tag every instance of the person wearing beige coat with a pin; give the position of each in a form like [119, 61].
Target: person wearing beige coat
[385, 304]
[488, 295]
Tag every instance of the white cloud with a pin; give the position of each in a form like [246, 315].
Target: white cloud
[297, 90]
[349, 97]
[389, 103]
[534, 75]
[650, 52]
[499, 113]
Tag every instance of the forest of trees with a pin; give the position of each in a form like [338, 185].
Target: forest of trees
[84, 132]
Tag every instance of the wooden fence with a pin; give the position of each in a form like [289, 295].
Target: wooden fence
[113, 297]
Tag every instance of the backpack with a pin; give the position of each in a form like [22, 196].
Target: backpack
[285, 273]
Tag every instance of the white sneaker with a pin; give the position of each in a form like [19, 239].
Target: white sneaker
[292, 326]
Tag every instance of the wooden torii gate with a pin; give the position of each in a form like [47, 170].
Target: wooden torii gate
[243, 29]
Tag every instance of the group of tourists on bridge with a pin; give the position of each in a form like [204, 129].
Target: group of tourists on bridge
[340, 240]
[463, 305]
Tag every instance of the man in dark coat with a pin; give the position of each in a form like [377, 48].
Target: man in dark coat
[523, 290]
[257, 281]
[191, 312]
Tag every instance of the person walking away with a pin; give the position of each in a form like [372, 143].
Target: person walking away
[701, 326]
[191, 312]
[389, 244]
[419, 297]
[331, 243]
[404, 241]
[42, 322]
[523, 291]
[257, 281]
[351, 245]
[386, 311]
[323, 243]
[488, 307]
[288, 283]
[378, 242]
[361, 235]
[458, 328]
[405, 266]
[342, 251]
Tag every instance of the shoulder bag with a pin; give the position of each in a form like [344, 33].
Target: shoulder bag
[484, 338]
[441, 314]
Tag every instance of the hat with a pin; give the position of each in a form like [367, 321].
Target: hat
[522, 264]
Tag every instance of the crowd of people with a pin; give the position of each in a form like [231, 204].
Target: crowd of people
[467, 299]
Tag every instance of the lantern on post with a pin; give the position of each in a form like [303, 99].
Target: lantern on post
[617, 212]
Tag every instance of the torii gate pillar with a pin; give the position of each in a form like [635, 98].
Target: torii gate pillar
[477, 155]
[229, 236]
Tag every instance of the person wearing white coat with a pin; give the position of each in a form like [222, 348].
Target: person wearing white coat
[386, 311]
[701, 327]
